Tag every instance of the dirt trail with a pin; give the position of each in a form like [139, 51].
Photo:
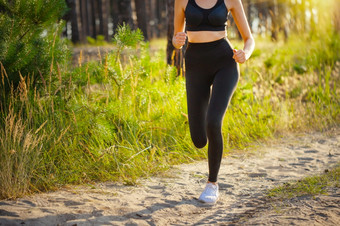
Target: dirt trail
[173, 200]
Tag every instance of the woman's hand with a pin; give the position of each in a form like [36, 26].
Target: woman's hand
[179, 39]
[239, 56]
[237, 11]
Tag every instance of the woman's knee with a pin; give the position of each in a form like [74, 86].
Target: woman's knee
[199, 140]
[213, 127]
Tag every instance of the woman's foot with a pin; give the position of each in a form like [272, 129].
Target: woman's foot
[210, 193]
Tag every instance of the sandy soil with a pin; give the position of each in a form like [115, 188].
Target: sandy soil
[244, 179]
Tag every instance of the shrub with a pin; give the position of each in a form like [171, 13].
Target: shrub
[29, 39]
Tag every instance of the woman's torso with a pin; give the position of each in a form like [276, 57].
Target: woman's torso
[206, 20]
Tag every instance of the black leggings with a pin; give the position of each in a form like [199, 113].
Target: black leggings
[211, 78]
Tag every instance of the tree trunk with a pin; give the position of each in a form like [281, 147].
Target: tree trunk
[141, 10]
[161, 18]
[77, 29]
[336, 18]
[303, 15]
[67, 17]
[74, 20]
[312, 18]
[262, 8]
[89, 10]
[114, 14]
[125, 12]
[104, 18]
[249, 14]
[274, 14]
[153, 19]
[284, 22]
[83, 19]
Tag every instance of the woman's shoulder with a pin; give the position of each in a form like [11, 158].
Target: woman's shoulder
[182, 3]
[232, 3]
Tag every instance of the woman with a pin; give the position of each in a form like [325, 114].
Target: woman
[211, 72]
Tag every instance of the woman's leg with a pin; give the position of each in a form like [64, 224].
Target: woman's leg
[198, 93]
[224, 85]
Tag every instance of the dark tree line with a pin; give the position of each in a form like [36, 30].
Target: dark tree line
[90, 18]
[101, 17]
[277, 18]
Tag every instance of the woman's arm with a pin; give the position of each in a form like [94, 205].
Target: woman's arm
[237, 11]
[179, 37]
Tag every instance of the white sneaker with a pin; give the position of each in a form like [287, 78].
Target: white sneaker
[210, 193]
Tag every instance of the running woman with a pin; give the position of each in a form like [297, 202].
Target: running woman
[212, 72]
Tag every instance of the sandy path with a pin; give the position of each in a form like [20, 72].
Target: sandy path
[173, 200]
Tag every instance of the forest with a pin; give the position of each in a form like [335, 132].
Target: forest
[88, 19]
[124, 116]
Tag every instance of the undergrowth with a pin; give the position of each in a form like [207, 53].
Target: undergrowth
[124, 117]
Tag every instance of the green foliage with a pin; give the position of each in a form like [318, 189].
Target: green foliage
[98, 41]
[125, 37]
[29, 39]
[256, 53]
[300, 69]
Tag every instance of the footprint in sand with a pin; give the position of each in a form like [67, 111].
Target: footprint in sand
[311, 151]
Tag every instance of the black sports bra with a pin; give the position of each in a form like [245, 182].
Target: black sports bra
[200, 19]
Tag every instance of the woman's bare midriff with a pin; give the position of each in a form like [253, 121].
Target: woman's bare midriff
[205, 36]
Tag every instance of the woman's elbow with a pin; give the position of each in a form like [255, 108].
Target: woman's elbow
[250, 39]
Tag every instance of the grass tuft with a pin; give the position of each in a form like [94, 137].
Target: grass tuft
[312, 186]
[20, 149]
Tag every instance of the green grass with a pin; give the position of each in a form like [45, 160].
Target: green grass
[125, 117]
[313, 185]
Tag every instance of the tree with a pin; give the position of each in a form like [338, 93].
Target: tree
[152, 18]
[29, 39]
[73, 17]
[142, 17]
[284, 21]
[84, 18]
[104, 6]
[161, 18]
[336, 17]
[274, 16]
[125, 12]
